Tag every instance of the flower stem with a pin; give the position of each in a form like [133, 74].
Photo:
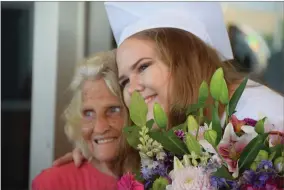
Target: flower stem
[199, 122]
[227, 115]
[225, 163]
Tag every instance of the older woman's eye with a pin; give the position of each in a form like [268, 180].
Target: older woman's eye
[88, 113]
[115, 109]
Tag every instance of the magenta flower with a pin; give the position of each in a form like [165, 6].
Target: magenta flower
[128, 182]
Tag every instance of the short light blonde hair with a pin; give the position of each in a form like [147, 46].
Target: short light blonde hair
[101, 65]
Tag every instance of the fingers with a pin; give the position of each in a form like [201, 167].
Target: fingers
[78, 157]
[67, 158]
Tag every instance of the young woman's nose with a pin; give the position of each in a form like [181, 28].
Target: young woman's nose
[135, 84]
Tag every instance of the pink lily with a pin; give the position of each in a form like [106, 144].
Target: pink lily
[231, 147]
[276, 132]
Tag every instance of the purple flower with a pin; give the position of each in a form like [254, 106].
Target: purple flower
[265, 164]
[161, 170]
[257, 179]
[180, 134]
[250, 122]
[150, 174]
[147, 173]
[217, 182]
[222, 183]
[212, 166]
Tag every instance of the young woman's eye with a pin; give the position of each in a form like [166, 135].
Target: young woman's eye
[143, 67]
[124, 83]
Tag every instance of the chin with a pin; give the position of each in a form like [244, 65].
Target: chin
[105, 157]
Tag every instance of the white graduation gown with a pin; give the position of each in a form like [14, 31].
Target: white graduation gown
[258, 101]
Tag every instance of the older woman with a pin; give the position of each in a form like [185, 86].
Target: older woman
[94, 119]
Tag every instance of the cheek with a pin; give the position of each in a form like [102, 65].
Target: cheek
[156, 78]
[87, 133]
[117, 122]
[126, 98]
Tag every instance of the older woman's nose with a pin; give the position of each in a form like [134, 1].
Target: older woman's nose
[101, 125]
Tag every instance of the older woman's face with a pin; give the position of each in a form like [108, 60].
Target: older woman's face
[140, 69]
[103, 118]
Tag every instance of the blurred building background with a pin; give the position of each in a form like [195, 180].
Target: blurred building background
[43, 41]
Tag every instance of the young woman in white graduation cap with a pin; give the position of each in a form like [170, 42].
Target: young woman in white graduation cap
[166, 49]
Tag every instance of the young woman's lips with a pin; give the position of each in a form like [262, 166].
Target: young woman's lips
[148, 99]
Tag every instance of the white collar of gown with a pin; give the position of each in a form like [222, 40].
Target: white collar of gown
[258, 101]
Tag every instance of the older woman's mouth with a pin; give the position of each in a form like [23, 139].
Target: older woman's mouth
[105, 140]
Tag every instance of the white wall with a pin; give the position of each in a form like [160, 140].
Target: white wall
[99, 31]
[64, 32]
[58, 45]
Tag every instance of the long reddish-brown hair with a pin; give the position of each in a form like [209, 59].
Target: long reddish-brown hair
[190, 61]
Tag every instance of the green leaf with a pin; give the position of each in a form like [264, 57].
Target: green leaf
[211, 136]
[278, 149]
[132, 135]
[192, 124]
[259, 127]
[138, 109]
[279, 164]
[253, 166]
[138, 175]
[251, 151]
[160, 183]
[223, 173]
[203, 93]
[271, 156]
[149, 124]
[179, 127]
[192, 144]
[193, 108]
[216, 84]
[224, 95]
[160, 116]
[236, 97]
[169, 142]
[216, 124]
[262, 155]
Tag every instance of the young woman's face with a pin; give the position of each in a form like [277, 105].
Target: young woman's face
[141, 70]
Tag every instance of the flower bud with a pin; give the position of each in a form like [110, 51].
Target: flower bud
[150, 154]
[279, 164]
[160, 116]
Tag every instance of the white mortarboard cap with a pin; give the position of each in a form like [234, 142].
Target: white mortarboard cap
[203, 19]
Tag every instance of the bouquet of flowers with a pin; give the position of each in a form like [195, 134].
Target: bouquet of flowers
[203, 154]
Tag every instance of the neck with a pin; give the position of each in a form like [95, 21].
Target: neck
[104, 167]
